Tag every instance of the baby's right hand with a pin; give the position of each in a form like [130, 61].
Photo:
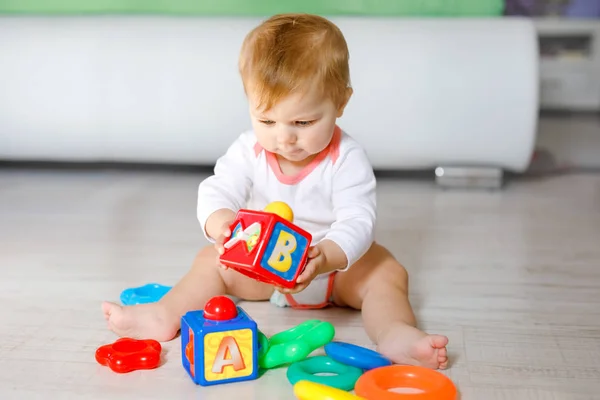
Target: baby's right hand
[222, 237]
[217, 227]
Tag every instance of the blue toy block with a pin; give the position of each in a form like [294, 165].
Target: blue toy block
[285, 252]
[216, 352]
[150, 293]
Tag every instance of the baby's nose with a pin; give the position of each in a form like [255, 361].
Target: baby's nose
[287, 137]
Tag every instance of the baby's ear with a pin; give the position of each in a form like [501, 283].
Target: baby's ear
[342, 107]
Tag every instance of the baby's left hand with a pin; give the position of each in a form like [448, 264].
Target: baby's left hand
[316, 263]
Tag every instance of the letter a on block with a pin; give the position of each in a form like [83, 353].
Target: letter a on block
[281, 257]
[228, 354]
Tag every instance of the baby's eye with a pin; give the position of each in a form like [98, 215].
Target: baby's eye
[267, 122]
[304, 123]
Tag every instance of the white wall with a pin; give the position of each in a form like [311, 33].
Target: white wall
[428, 92]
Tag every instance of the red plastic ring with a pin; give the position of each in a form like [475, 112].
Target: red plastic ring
[376, 383]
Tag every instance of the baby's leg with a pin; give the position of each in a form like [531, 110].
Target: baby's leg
[161, 320]
[378, 285]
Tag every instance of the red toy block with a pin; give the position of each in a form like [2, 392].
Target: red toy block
[267, 248]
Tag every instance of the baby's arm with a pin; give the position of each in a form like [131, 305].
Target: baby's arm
[354, 205]
[352, 233]
[221, 195]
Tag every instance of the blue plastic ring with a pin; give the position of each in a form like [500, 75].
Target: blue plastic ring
[356, 356]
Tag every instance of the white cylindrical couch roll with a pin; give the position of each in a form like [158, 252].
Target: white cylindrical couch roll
[149, 89]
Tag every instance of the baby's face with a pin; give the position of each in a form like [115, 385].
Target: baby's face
[297, 127]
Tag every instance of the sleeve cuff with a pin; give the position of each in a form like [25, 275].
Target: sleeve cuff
[350, 247]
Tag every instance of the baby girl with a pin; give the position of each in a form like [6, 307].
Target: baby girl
[295, 72]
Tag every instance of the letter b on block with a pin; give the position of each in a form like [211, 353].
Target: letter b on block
[284, 251]
[281, 256]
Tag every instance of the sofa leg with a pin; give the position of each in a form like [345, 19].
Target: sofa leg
[469, 177]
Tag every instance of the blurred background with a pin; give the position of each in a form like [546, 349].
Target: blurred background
[113, 111]
[466, 83]
[569, 50]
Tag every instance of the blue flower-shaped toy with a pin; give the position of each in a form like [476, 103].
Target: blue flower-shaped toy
[150, 293]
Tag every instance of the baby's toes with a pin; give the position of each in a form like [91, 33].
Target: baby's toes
[442, 354]
[443, 358]
[444, 365]
[112, 311]
[106, 310]
[438, 341]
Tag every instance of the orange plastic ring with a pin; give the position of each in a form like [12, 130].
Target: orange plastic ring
[375, 384]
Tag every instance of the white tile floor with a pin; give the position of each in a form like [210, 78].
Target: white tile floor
[512, 277]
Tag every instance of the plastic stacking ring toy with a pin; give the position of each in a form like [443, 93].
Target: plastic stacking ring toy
[305, 370]
[263, 344]
[357, 356]
[306, 390]
[297, 343]
[430, 384]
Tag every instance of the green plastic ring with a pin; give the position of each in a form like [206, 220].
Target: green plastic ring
[263, 344]
[297, 343]
[305, 370]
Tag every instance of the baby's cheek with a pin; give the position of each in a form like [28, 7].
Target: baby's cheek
[318, 140]
[264, 139]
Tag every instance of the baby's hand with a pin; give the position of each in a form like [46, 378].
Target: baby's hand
[316, 263]
[222, 237]
[217, 227]
[220, 242]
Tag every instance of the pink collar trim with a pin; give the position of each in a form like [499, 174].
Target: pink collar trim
[332, 150]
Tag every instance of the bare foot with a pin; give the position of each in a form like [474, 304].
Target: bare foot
[404, 344]
[142, 321]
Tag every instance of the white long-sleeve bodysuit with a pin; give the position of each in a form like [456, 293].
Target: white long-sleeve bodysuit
[332, 198]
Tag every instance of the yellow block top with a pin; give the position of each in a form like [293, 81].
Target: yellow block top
[281, 209]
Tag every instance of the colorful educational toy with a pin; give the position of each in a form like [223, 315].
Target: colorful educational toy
[357, 356]
[149, 293]
[432, 385]
[267, 246]
[297, 343]
[126, 355]
[306, 390]
[219, 344]
[343, 376]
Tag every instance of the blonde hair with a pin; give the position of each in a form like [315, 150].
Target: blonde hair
[290, 52]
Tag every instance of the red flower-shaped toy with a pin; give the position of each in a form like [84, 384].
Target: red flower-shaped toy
[126, 355]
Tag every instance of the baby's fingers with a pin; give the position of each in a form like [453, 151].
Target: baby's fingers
[313, 252]
[220, 247]
[283, 290]
[309, 271]
[220, 242]
[298, 288]
[222, 239]
[226, 231]
[221, 265]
